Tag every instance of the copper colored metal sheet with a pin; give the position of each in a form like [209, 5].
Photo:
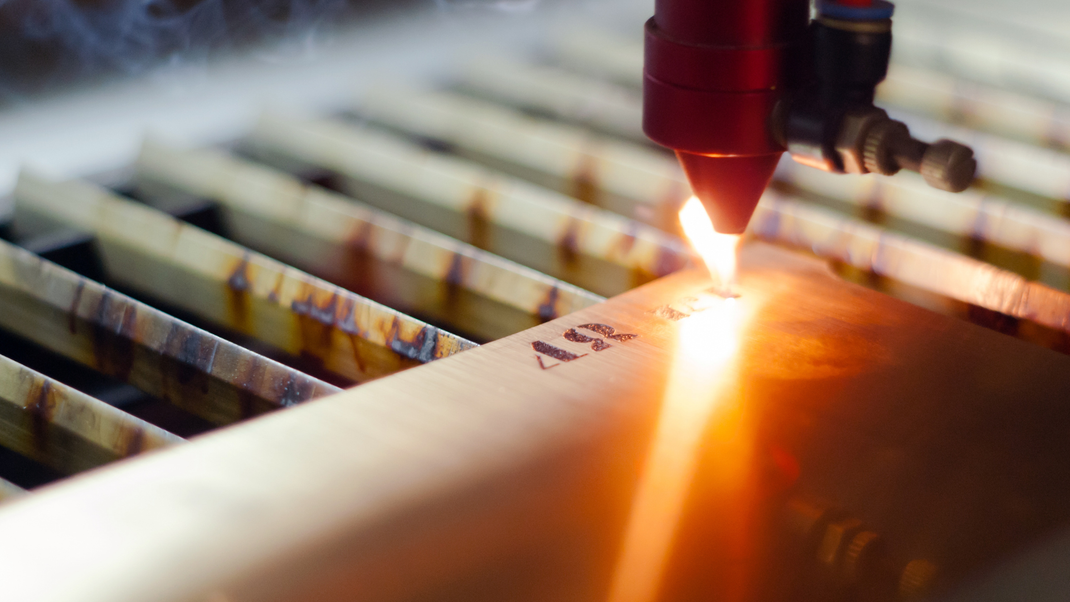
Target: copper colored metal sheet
[682, 458]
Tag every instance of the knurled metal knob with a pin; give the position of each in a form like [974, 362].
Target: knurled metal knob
[948, 165]
[917, 579]
[878, 150]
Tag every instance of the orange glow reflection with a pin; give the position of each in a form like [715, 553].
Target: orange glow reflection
[718, 250]
[694, 402]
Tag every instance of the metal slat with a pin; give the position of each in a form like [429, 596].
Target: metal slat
[10, 491]
[55, 425]
[626, 178]
[233, 287]
[928, 267]
[550, 232]
[363, 249]
[602, 106]
[85, 321]
[551, 151]
[1001, 112]
[969, 215]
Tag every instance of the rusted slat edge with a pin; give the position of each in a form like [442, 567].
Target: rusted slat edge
[60, 427]
[973, 214]
[87, 322]
[867, 247]
[225, 283]
[351, 227]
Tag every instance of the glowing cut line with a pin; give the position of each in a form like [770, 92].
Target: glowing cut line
[707, 346]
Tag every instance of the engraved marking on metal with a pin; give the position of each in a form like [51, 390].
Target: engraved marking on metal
[555, 352]
[609, 332]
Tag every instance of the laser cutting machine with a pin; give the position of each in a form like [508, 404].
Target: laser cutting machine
[286, 328]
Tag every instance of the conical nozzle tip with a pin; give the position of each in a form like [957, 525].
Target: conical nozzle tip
[729, 187]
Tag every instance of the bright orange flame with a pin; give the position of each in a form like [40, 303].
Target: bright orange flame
[718, 250]
[707, 345]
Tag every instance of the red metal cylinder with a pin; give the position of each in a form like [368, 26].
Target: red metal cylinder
[714, 72]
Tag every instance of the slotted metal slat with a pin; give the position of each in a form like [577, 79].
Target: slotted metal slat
[368, 251]
[85, 321]
[51, 423]
[550, 232]
[236, 288]
[632, 180]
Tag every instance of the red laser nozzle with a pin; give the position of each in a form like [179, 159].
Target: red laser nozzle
[713, 75]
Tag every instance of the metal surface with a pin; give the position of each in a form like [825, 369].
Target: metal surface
[370, 252]
[64, 429]
[504, 472]
[600, 251]
[132, 342]
[228, 285]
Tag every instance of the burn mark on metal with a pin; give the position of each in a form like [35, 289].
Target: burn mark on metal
[555, 352]
[193, 354]
[478, 217]
[315, 331]
[133, 441]
[72, 312]
[626, 241]
[114, 331]
[669, 313]
[722, 292]
[585, 184]
[42, 409]
[273, 294]
[455, 275]
[423, 346]
[238, 301]
[297, 389]
[609, 332]
[568, 244]
[548, 308]
[251, 376]
[577, 337]
[358, 266]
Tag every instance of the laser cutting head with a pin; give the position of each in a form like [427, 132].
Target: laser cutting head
[732, 84]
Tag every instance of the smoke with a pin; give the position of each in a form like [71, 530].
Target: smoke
[51, 39]
[509, 6]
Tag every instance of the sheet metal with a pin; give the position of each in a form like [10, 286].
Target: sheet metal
[913, 424]
[233, 287]
[368, 251]
[91, 324]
